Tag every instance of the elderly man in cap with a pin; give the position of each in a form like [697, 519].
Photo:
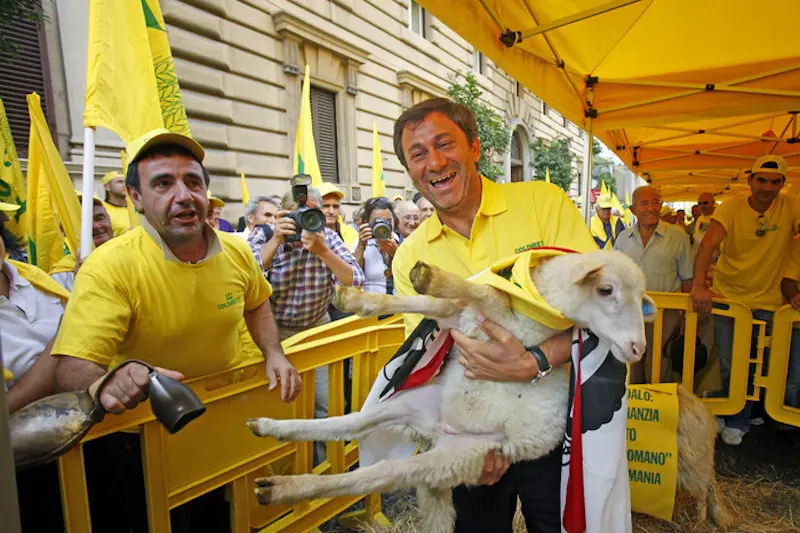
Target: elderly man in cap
[214, 216]
[172, 292]
[115, 203]
[332, 207]
[755, 234]
[605, 227]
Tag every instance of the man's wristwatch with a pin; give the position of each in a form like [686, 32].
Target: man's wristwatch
[541, 360]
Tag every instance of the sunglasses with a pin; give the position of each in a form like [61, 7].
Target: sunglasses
[705, 203]
[762, 226]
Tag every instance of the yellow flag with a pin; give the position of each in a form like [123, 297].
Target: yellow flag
[305, 151]
[627, 199]
[131, 86]
[603, 189]
[245, 192]
[547, 175]
[52, 202]
[169, 91]
[12, 184]
[378, 180]
[349, 235]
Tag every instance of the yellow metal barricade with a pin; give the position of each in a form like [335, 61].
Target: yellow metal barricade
[219, 450]
[741, 358]
[782, 326]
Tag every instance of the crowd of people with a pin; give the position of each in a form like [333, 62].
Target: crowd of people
[190, 295]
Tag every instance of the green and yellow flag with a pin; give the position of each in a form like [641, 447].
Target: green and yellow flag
[245, 192]
[52, 203]
[131, 85]
[604, 191]
[305, 151]
[12, 184]
[378, 179]
[133, 216]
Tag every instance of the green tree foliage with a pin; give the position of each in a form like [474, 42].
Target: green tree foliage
[11, 10]
[556, 157]
[493, 131]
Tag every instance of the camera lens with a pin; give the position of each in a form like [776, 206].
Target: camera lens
[312, 220]
[381, 231]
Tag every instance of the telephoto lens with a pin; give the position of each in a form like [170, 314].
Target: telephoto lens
[306, 219]
[381, 229]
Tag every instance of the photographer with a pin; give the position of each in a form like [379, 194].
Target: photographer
[377, 244]
[302, 270]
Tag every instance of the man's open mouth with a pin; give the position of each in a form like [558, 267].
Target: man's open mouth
[443, 181]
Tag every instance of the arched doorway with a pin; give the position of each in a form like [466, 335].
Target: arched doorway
[516, 154]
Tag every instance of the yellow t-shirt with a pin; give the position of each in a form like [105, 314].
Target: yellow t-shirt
[120, 219]
[512, 218]
[134, 300]
[749, 268]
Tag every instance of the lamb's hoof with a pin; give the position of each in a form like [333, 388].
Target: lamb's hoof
[421, 276]
[261, 427]
[272, 490]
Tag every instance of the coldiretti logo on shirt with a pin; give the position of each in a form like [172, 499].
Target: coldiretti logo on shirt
[529, 246]
[229, 301]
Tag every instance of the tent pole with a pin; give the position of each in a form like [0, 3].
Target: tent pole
[87, 190]
[587, 172]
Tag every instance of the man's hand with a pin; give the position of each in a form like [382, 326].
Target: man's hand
[701, 299]
[795, 301]
[501, 358]
[78, 264]
[129, 386]
[279, 368]
[494, 466]
[388, 246]
[283, 226]
[314, 242]
[364, 234]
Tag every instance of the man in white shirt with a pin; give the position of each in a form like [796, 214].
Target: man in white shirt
[259, 210]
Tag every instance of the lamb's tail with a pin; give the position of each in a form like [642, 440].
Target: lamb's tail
[717, 509]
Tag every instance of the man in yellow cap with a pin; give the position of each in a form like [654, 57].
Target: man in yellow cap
[115, 203]
[605, 227]
[172, 292]
[332, 207]
[755, 235]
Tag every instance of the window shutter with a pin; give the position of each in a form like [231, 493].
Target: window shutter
[21, 75]
[323, 113]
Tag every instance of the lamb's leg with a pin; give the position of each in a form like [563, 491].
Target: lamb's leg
[364, 303]
[417, 407]
[455, 460]
[436, 509]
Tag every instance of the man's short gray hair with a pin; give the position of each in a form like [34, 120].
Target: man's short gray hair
[314, 193]
[289, 204]
[252, 206]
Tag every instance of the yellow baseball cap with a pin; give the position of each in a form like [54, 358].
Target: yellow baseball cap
[665, 210]
[329, 188]
[770, 163]
[114, 174]
[163, 136]
[397, 197]
[96, 199]
[213, 201]
[603, 202]
[8, 208]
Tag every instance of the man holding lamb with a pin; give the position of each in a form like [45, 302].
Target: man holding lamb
[477, 223]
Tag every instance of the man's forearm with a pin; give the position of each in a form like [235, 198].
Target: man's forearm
[340, 268]
[263, 329]
[268, 253]
[789, 288]
[36, 383]
[358, 253]
[686, 285]
[73, 373]
[701, 264]
[558, 349]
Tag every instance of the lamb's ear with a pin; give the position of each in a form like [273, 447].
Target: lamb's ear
[585, 270]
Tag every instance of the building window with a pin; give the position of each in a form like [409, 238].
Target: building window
[23, 74]
[323, 118]
[417, 16]
[545, 108]
[479, 63]
[520, 90]
[517, 168]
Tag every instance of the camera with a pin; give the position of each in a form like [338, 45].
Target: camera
[305, 218]
[381, 229]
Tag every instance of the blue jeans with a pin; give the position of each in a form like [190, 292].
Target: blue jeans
[723, 339]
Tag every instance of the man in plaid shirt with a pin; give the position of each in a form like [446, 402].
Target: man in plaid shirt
[302, 275]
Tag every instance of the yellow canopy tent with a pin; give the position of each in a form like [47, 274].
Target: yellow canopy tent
[624, 64]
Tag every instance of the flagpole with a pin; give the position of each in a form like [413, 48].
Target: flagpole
[87, 190]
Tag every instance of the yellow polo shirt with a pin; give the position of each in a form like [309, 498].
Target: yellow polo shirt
[120, 219]
[134, 300]
[750, 267]
[512, 218]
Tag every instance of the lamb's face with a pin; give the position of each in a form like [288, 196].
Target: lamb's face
[612, 302]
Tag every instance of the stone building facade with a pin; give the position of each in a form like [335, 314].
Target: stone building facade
[240, 65]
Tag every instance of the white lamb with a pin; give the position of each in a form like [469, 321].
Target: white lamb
[459, 419]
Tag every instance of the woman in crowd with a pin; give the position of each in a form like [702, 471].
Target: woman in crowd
[377, 245]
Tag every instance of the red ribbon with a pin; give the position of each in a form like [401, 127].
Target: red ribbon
[575, 506]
